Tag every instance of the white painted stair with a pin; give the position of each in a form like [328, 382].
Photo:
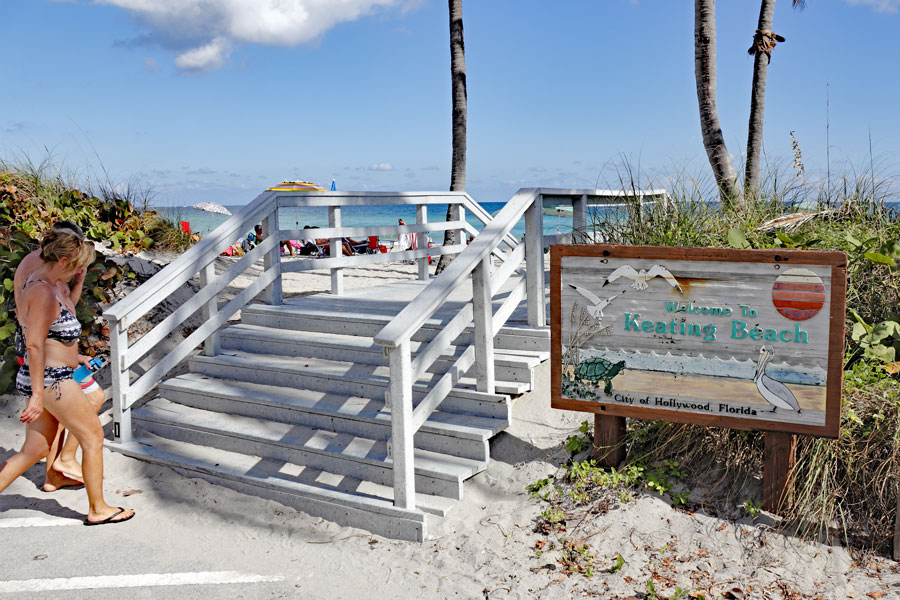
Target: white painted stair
[292, 408]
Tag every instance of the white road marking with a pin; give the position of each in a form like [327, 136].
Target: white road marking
[131, 581]
[38, 522]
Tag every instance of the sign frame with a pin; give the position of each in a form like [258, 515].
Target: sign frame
[836, 260]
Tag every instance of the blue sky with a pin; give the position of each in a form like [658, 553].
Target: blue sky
[216, 101]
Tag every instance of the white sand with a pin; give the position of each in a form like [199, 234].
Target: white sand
[485, 548]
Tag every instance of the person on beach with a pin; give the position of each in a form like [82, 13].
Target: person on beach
[309, 247]
[346, 248]
[406, 241]
[351, 246]
[63, 468]
[51, 330]
[285, 244]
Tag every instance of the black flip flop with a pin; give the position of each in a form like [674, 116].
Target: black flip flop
[111, 518]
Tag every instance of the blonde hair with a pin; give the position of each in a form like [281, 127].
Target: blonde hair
[59, 243]
[86, 257]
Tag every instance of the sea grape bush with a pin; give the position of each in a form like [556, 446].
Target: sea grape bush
[30, 202]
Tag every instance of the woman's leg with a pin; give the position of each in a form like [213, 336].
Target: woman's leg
[54, 477]
[66, 462]
[75, 413]
[39, 437]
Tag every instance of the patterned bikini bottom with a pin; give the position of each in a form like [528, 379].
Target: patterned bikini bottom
[52, 377]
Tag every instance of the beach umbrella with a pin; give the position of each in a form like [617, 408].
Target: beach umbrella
[295, 186]
[333, 186]
[212, 207]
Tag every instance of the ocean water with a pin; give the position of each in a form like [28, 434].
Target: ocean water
[357, 216]
[354, 216]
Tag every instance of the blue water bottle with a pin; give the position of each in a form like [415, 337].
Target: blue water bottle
[84, 371]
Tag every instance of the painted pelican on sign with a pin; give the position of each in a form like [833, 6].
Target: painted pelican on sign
[776, 393]
[642, 278]
[595, 309]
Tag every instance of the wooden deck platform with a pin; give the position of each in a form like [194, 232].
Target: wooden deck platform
[388, 299]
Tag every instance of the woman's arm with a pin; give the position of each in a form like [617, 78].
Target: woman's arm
[76, 285]
[39, 309]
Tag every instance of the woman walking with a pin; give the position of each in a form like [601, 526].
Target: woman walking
[63, 469]
[47, 318]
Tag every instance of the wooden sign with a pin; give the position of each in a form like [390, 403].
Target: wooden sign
[746, 339]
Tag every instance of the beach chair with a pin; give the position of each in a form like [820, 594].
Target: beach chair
[374, 247]
[357, 247]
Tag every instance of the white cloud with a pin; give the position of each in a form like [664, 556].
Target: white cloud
[884, 6]
[381, 167]
[206, 57]
[206, 30]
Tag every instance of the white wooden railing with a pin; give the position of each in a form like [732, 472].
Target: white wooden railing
[199, 260]
[477, 261]
[574, 204]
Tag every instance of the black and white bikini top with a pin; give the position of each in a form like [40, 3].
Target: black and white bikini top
[66, 328]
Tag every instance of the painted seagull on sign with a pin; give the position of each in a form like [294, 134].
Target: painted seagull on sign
[776, 393]
[642, 278]
[595, 309]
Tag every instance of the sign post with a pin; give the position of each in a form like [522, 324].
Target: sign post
[745, 339]
[609, 440]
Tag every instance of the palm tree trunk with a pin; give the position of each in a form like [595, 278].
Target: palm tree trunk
[458, 92]
[705, 75]
[762, 51]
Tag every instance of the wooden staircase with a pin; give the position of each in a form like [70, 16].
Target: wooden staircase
[369, 408]
[292, 408]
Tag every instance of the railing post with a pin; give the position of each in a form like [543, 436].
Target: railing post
[118, 347]
[337, 247]
[401, 425]
[211, 346]
[272, 259]
[579, 221]
[534, 263]
[422, 218]
[458, 213]
[484, 334]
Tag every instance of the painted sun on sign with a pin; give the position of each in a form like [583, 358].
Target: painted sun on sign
[715, 341]
[798, 294]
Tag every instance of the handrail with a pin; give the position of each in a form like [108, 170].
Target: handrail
[350, 198]
[476, 260]
[423, 306]
[485, 218]
[180, 270]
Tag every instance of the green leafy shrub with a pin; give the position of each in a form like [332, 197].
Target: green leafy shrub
[31, 200]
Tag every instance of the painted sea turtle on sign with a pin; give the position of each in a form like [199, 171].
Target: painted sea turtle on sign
[598, 369]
